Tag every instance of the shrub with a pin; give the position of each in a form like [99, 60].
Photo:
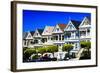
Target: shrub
[35, 57]
[41, 50]
[67, 47]
[49, 49]
[29, 52]
[52, 49]
[86, 54]
[85, 44]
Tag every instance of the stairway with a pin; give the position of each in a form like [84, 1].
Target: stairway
[79, 53]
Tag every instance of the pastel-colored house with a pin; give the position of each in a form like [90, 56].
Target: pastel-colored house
[58, 35]
[85, 30]
[38, 37]
[72, 35]
[47, 35]
[28, 39]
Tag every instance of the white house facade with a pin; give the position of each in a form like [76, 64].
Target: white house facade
[85, 30]
[28, 39]
[47, 35]
[71, 33]
[58, 35]
[38, 38]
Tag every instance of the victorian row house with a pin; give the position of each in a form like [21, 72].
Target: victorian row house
[71, 33]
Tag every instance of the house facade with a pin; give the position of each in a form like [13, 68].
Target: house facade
[58, 35]
[28, 39]
[71, 33]
[38, 38]
[47, 35]
[85, 30]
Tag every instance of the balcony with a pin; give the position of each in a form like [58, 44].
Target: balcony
[58, 41]
[71, 39]
[85, 36]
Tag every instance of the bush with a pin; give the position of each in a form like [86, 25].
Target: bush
[52, 49]
[41, 50]
[49, 49]
[67, 47]
[85, 44]
[35, 57]
[29, 52]
[86, 54]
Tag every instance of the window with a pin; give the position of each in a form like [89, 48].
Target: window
[57, 29]
[37, 34]
[56, 37]
[62, 37]
[76, 45]
[29, 36]
[32, 42]
[70, 26]
[88, 30]
[48, 37]
[25, 43]
[59, 37]
[86, 22]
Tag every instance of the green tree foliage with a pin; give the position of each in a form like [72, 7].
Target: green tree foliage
[67, 47]
[28, 52]
[52, 48]
[85, 44]
[86, 54]
[41, 50]
[35, 57]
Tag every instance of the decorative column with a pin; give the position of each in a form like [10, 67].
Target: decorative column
[58, 37]
[86, 32]
[61, 37]
[39, 41]
[74, 35]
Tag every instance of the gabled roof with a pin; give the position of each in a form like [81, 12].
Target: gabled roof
[32, 32]
[76, 23]
[62, 26]
[48, 30]
[25, 35]
[40, 31]
[84, 19]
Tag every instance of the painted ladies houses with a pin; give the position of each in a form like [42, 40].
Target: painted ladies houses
[85, 30]
[58, 35]
[71, 35]
[38, 37]
[28, 39]
[47, 35]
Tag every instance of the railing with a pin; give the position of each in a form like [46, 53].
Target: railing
[71, 38]
[84, 36]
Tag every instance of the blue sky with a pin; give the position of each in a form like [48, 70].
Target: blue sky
[33, 19]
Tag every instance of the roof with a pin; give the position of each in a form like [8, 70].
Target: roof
[48, 30]
[62, 26]
[25, 35]
[40, 31]
[89, 18]
[76, 23]
[32, 32]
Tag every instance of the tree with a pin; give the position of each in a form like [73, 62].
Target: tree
[28, 52]
[86, 54]
[67, 47]
[52, 48]
[41, 50]
[85, 44]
